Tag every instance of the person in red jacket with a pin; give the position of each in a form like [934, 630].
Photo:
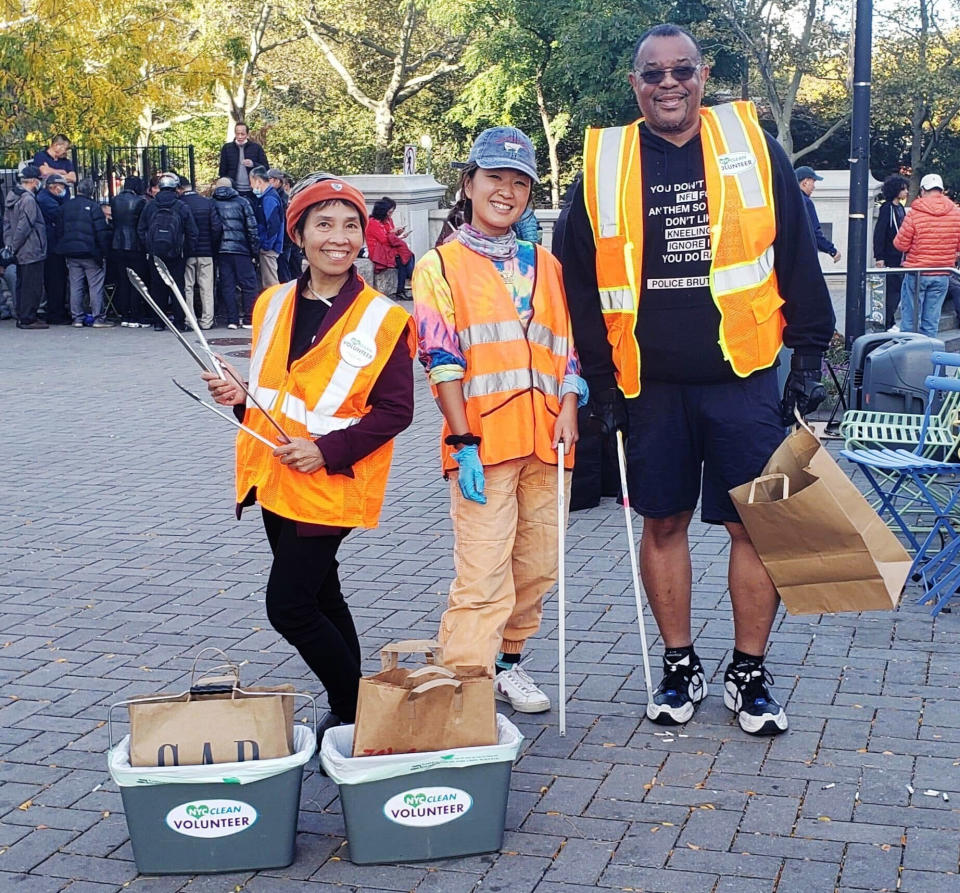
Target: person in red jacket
[930, 236]
[386, 246]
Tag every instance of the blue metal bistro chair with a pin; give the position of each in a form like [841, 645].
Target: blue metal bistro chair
[902, 479]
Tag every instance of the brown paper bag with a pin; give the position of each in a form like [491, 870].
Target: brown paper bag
[823, 545]
[430, 708]
[215, 721]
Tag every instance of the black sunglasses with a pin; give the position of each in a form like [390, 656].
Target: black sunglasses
[680, 73]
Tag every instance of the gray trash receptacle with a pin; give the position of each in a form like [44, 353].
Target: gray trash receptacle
[215, 818]
[894, 374]
[413, 807]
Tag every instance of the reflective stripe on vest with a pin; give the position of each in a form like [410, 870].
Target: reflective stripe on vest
[745, 275]
[269, 324]
[608, 178]
[739, 153]
[510, 380]
[511, 330]
[321, 419]
[294, 408]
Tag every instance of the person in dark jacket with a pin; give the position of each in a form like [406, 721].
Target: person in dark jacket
[167, 222]
[239, 157]
[285, 273]
[127, 252]
[889, 220]
[25, 234]
[702, 409]
[270, 222]
[50, 199]
[83, 238]
[239, 244]
[807, 179]
[199, 265]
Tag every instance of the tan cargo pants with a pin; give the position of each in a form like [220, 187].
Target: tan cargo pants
[505, 557]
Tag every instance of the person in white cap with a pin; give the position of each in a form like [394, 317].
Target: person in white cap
[929, 237]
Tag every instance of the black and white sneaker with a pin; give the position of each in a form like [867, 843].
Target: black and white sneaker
[745, 692]
[682, 688]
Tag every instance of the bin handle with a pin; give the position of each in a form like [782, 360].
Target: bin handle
[779, 476]
[430, 647]
[253, 694]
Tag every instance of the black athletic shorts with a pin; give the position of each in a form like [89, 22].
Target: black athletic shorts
[682, 433]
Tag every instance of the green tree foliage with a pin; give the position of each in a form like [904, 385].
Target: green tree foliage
[785, 45]
[88, 68]
[552, 67]
[916, 96]
[385, 54]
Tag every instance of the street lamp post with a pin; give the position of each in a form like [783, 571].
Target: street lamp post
[859, 175]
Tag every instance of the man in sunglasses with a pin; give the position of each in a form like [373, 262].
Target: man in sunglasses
[688, 263]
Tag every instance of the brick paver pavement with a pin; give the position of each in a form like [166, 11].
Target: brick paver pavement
[119, 558]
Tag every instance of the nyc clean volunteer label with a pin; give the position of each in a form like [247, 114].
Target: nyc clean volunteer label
[211, 818]
[424, 807]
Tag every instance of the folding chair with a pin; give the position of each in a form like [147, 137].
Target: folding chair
[904, 479]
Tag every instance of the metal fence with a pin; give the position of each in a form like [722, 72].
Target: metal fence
[106, 167]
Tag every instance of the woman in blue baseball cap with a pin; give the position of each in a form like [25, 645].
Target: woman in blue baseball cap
[496, 342]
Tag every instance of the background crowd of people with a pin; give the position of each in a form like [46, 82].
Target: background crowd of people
[64, 254]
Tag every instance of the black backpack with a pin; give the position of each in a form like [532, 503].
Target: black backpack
[165, 235]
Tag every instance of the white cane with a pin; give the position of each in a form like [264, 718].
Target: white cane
[637, 591]
[561, 588]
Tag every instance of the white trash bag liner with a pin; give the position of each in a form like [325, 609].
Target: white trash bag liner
[127, 776]
[337, 746]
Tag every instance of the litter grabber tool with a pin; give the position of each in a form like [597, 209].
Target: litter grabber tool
[232, 419]
[188, 313]
[631, 546]
[138, 284]
[561, 588]
[211, 364]
[218, 368]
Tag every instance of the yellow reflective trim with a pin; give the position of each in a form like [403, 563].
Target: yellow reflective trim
[608, 173]
[616, 300]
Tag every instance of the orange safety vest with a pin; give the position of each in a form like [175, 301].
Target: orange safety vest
[513, 377]
[743, 225]
[324, 390]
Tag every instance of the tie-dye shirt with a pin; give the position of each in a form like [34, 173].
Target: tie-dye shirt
[440, 351]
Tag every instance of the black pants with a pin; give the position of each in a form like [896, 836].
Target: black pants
[306, 606]
[162, 295]
[55, 288]
[29, 291]
[126, 299]
[894, 282]
[237, 270]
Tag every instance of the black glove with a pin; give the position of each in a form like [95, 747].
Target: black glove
[803, 389]
[607, 409]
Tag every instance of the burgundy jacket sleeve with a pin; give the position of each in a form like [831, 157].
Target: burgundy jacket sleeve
[391, 402]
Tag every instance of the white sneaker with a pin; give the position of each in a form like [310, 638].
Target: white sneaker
[516, 686]
[894, 328]
[231, 325]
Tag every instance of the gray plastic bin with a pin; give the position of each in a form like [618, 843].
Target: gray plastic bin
[413, 807]
[208, 819]
[894, 375]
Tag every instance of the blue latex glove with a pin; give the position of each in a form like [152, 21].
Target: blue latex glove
[470, 477]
